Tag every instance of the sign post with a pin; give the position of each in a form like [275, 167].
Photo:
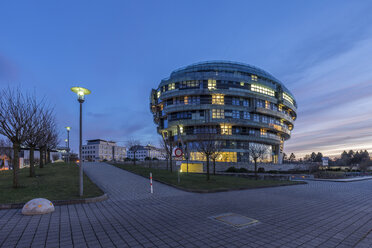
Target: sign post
[178, 156]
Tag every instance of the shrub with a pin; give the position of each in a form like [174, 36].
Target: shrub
[242, 170]
[261, 170]
[232, 169]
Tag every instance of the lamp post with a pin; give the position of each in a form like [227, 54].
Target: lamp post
[81, 92]
[67, 151]
[68, 144]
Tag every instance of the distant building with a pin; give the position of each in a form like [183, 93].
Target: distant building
[99, 150]
[148, 151]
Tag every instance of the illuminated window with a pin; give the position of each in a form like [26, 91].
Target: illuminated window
[226, 129]
[218, 99]
[254, 77]
[159, 93]
[263, 132]
[241, 83]
[223, 157]
[256, 117]
[267, 104]
[212, 84]
[288, 98]
[262, 90]
[186, 100]
[181, 129]
[245, 103]
[218, 114]
[172, 86]
[246, 115]
[264, 119]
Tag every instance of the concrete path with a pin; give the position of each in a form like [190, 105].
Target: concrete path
[345, 180]
[319, 214]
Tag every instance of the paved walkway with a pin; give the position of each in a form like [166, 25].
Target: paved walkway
[319, 214]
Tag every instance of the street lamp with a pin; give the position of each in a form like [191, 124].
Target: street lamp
[81, 92]
[68, 144]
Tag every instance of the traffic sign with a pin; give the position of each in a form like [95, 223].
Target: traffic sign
[178, 152]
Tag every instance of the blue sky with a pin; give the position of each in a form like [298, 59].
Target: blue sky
[321, 50]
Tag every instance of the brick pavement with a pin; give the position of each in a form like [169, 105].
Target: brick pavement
[319, 214]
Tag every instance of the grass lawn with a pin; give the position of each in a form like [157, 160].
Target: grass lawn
[58, 181]
[198, 181]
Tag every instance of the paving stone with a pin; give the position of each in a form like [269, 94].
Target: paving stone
[323, 214]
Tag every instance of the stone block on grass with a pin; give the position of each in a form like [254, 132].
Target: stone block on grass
[38, 206]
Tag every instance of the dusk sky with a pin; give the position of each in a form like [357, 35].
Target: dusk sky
[120, 50]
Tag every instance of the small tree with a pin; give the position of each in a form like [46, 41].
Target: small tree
[167, 145]
[134, 146]
[205, 144]
[217, 153]
[292, 157]
[256, 152]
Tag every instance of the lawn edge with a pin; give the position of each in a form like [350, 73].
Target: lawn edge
[59, 202]
[203, 191]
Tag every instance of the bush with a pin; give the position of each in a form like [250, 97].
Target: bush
[261, 170]
[232, 169]
[273, 171]
[127, 159]
[243, 170]
[155, 159]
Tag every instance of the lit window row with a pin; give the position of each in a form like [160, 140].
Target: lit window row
[254, 77]
[288, 98]
[172, 86]
[226, 129]
[218, 99]
[212, 84]
[262, 90]
[218, 114]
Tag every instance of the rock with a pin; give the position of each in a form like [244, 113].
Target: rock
[38, 206]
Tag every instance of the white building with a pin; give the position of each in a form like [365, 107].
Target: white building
[99, 150]
[147, 152]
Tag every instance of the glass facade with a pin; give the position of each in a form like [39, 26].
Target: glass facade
[242, 104]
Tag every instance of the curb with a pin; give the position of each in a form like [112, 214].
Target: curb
[203, 191]
[339, 180]
[59, 202]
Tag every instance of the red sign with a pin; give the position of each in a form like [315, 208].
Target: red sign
[178, 152]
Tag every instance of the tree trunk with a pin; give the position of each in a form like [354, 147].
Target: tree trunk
[41, 151]
[214, 167]
[167, 164]
[32, 161]
[16, 165]
[48, 156]
[171, 164]
[207, 168]
[134, 156]
[255, 169]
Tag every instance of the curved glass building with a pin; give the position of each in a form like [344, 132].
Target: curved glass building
[241, 103]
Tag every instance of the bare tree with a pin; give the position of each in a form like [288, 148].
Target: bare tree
[134, 146]
[256, 152]
[16, 111]
[205, 144]
[35, 137]
[49, 137]
[167, 144]
[216, 153]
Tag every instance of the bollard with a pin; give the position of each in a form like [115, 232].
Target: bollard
[151, 189]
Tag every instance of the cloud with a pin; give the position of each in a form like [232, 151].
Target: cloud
[335, 104]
